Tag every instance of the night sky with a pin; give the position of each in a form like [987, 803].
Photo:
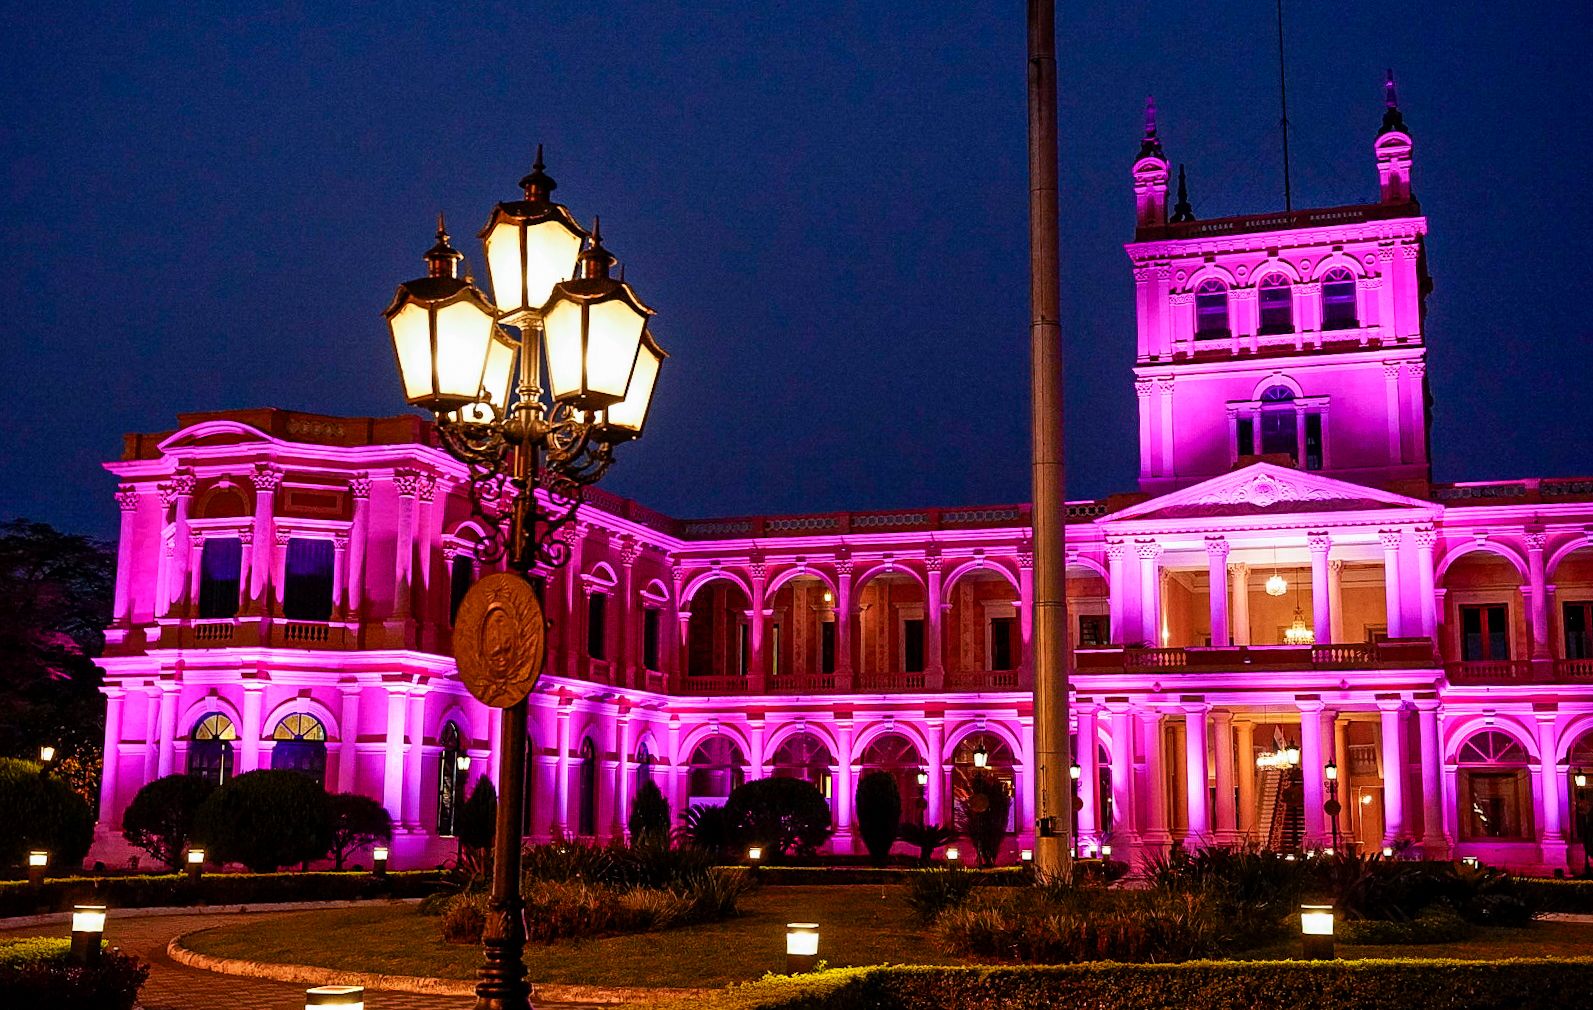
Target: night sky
[825, 203]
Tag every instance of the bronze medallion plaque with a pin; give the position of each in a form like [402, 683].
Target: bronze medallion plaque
[499, 639]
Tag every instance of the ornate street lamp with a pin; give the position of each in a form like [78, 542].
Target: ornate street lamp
[1330, 771]
[530, 451]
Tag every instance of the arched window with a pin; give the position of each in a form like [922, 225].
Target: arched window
[716, 769]
[307, 580]
[586, 793]
[804, 756]
[299, 745]
[450, 781]
[1495, 788]
[1211, 309]
[220, 568]
[1279, 432]
[1338, 300]
[597, 625]
[461, 573]
[998, 762]
[644, 765]
[896, 755]
[1276, 299]
[210, 748]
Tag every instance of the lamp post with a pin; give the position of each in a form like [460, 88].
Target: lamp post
[38, 862]
[196, 864]
[1330, 772]
[46, 754]
[801, 947]
[1316, 932]
[88, 926]
[530, 448]
[1074, 771]
[379, 861]
[1583, 812]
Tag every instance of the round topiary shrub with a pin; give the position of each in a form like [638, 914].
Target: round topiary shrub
[781, 814]
[161, 817]
[41, 812]
[879, 814]
[265, 820]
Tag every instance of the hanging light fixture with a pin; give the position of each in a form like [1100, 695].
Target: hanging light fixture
[981, 757]
[1276, 584]
[1298, 632]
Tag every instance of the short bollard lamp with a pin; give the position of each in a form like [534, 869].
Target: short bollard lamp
[754, 853]
[1471, 861]
[1027, 855]
[379, 861]
[196, 864]
[1388, 852]
[953, 853]
[46, 754]
[38, 862]
[1106, 851]
[801, 947]
[88, 927]
[1316, 932]
[343, 997]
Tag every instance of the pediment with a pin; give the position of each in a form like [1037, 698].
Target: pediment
[1264, 489]
[214, 433]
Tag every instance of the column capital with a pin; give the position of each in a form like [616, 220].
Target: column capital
[1218, 547]
[1535, 539]
[1197, 707]
[932, 561]
[1147, 549]
[1319, 542]
[359, 485]
[1428, 705]
[1239, 568]
[426, 487]
[266, 478]
[407, 482]
[246, 536]
[1426, 537]
[126, 497]
[1143, 388]
[1390, 539]
[758, 571]
[1222, 715]
[1391, 704]
[1115, 549]
[1025, 560]
[1308, 705]
[1336, 565]
[843, 567]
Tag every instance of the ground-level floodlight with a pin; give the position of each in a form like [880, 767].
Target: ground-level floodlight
[1316, 932]
[801, 947]
[343, 997]
[88, 928]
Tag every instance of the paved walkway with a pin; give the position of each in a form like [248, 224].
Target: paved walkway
[173, 986]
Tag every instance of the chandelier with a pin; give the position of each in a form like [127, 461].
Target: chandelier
[1298, 632]
[1282, 755]
[1276, 585]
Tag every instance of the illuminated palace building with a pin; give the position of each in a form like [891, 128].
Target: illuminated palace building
[1286, 580]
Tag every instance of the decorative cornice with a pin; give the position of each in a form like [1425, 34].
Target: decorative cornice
[1265, 489]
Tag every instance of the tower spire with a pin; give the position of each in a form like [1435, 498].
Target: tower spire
[1393, 119]
[1151, 145]
[1182, 211]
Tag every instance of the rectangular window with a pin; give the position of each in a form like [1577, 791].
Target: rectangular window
[597, 625]
[1244, 437]
[913, 645]
[1277, 309]
[307, 580]
[220, 569]
[1094, 630]
[1313, 441]
[1484, 632]
[1578, 622]
[461, 573]
[827, 647]
[650, 629]
[1001, 650]
[774, 650]
[744, 649]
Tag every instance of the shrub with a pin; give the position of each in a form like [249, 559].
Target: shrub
[933, 891]
[649, 820]
[266, 819]
[781, 814]
[1545, 895]
[984, 815]
[926, 838]
[477, 824]
[41, 812]
[464, 917]
[879, 813]
[616, 865]
[708, 828]
[358, 822]
[1439, 924]
[38, 972]
[59, 894]
[1059, 924]
[160, 819]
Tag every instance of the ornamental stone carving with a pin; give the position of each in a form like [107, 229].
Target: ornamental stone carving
[1218, 547]
[1319, 543]
[1147, 549]
[1265, 489]
[427, 487]
[359, 485]
[1142, 388]
[932, 562]
[1416, 369]
[1391, 369]
[127, 497]
[1116, 549]
[1389, 539]
[1535, 539]
[1426, 537]
[266, 478]
[407, 482]
[843, 567]
[246, 536]
[283, 536]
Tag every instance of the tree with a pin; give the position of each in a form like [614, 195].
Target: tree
[358, 822]
[266, 819]
[39, 812]
[477, 824]
[879, 813]
[649, 820]
[984, 815]
[780, 814]
[160, 820]
[58, 589]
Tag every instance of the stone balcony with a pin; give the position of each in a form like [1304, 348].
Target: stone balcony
[1501, 672]
[1393, 654]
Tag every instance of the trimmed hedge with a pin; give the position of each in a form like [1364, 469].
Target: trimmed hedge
[1549, 895]
[808, 876]
[1432, 984]
[37, 971]
[59, 894]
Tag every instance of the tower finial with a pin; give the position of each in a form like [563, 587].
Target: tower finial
[442, 227]
[538, 186]
[442, 259]
[1151, 145]
[1182, 211]
[1393, 119]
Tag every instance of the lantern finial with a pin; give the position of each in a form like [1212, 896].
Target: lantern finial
[538, 186]
[442, 259]
[595, 260]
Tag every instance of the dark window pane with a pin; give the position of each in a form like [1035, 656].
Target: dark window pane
[1001, 650]
[913, 645]
[461, 573]
[1245, 437]
[1279, 432]
[220, 569]
[1094, 630]
[650, 628]
[1579, 631]
[1277, 306]
[1338, 301]
[597, 625]
[307, 580]
[1313, 441]
[1211, 310]
[827, 647]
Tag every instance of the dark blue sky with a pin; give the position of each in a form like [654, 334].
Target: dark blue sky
[825, 204]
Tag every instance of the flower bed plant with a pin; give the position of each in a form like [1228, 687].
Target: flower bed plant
[39, 972]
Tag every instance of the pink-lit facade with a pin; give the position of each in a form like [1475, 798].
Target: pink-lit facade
[285, 580]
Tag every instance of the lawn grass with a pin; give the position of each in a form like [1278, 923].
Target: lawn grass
[860, 925]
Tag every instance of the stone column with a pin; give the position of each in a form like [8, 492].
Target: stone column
[427, 535]
[359, 486]
[1156, 814]
[110, 806]
[1026, 616]
[266, 478]
[758, 618]
[1392, 712]
[1535, 539]
[1336, 594]
[1164, 387]
[177, 494]
[1222, 747]
[251, 731]
[167, 754]
[127, 501]
[152, 706]
[1435, 844]
[1198, 787]
[1391, 388]
[845, 797]
[1149, 592]
[935, 765]
[622, 768]
[1217, 573]
[339, 577]
[1426, 537]
[1311, 768]
[1124, 827]
[843, 627]
[1245, 764]
[407, 483]
[196, 553]
[1147, 440]
[1322, 601]
[1392, 596]
[348, 739]
[1551, 831]
[574, 645]
[935, 645]
[1117, 596]
[1089, 760]
[561, 781]
[1239, 578]
[627, 657]
[393, 753]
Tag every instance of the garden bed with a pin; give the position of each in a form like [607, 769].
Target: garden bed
[18, 898]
